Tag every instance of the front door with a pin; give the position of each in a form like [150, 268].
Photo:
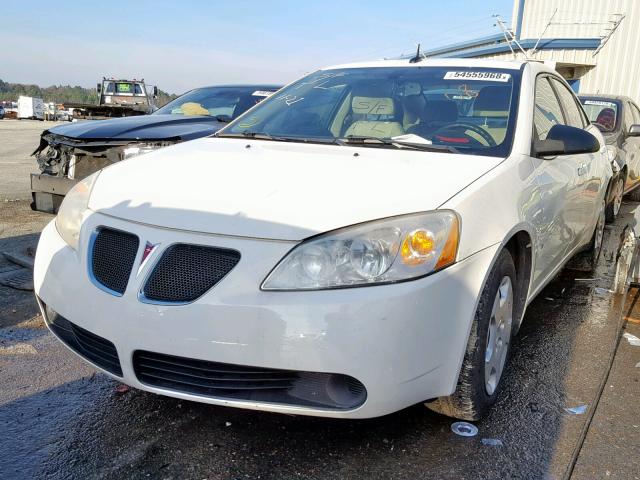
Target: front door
[589, 177]
[561, 182]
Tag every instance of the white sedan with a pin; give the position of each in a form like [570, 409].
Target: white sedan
[366, 239]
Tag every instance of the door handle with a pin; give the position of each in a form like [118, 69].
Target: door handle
[582, 169]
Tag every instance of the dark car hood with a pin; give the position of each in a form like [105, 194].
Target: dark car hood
[143, 127]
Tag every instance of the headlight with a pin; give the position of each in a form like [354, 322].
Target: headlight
[141, 149]
[71, 212]
[382, 251]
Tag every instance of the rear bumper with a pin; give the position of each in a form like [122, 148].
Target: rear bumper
[404, 342]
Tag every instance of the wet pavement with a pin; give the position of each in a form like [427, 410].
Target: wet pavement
[610, 449]
[59, 419]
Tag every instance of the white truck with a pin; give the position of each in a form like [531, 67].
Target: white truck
[30, 107]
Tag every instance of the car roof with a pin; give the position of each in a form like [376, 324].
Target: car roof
[435, 62]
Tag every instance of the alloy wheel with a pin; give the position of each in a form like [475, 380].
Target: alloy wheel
[499, 335]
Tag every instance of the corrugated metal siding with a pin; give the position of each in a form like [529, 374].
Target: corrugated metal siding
[617, 65]
[574, 18]
[618, 62]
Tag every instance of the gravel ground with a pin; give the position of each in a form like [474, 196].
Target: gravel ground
[18, 138]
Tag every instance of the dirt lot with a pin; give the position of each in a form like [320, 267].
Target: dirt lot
[18, 138]
[60, 419]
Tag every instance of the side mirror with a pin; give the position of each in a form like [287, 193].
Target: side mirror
[634, 130]
[99, 88]
[566, 140]
[155, 92]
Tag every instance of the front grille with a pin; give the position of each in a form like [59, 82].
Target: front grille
[185, 272]
[112, 255]
[97, 350]
[235, 382]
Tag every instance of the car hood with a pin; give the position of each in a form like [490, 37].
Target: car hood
[274, 190]
[142, 127]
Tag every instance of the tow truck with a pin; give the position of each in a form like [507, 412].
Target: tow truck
[117, 98]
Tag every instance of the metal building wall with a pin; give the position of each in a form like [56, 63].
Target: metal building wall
[617, 64]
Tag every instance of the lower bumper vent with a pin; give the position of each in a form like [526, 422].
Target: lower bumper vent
[97, 350]
[234, 382]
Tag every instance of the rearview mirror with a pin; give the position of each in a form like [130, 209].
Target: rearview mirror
[566, 140]
[99, 88]
[634, 130]
[155, 91]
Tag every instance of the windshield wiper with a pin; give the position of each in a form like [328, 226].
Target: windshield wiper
[257, 135]
[266, 136]
[426, 147]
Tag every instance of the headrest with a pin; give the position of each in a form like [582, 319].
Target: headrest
[193, 108]
[372, 105]
[493, 101]
[409, 89]
[440, 111]
[607, 118]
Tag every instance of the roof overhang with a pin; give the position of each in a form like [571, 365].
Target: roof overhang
[497, 44]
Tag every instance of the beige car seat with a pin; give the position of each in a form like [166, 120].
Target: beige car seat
[371, 114]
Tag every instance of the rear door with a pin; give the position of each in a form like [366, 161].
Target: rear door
[589, 169]
[560, 191]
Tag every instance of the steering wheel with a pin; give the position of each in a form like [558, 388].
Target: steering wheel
[601, 127]
[468, 126]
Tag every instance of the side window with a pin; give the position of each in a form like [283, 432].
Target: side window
[569, 105]
[547, 111]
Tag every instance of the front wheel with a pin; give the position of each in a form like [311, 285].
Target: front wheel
[487, 348]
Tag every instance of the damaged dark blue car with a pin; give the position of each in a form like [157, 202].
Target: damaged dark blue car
[69, 153]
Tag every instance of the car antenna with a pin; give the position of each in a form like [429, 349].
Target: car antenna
[419, 56]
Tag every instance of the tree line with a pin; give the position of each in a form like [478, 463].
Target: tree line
[61, 93]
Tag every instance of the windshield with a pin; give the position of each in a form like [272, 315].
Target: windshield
[471, 110]
[602, 113]
[123, 88]
[225, 103]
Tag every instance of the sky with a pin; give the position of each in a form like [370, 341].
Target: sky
[179, 45]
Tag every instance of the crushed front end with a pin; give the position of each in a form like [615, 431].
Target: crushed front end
[63, 161]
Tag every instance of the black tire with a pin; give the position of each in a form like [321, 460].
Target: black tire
[595, 245]
[471, 401]
[612, 208]
[587, 259]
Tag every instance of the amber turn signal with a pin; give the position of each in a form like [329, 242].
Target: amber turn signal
[450, 250]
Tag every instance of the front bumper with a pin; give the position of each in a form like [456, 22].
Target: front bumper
[48, 191]
[404, 342]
